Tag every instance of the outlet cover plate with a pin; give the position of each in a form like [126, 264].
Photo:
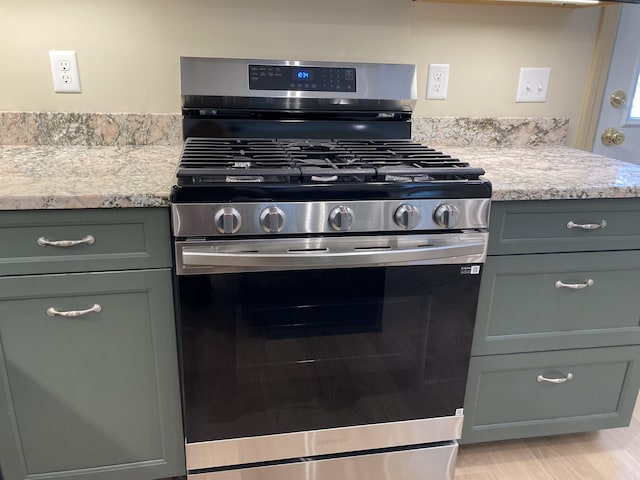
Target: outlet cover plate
[533, 85]
[64, 70]
[437, 81]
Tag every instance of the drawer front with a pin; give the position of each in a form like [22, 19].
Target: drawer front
[89, 395]
[542, 226]
[431, 463]
[110, 239]
[523, 308]
[505, 398]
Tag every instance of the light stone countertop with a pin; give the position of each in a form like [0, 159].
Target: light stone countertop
[551, 173]
[65, 177]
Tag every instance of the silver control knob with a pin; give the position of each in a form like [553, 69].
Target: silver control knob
[407, 216]
[272, 219]
[341, 218]
[446, 215]
[228, 220]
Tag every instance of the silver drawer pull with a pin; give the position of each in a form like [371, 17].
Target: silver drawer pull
[43, 242]
[52, 312]
[575, 286]
[541, 379]
[587, 226]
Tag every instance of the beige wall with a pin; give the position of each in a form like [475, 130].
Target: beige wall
[128, 49]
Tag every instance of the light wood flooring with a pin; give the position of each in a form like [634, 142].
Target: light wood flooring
[605, 455]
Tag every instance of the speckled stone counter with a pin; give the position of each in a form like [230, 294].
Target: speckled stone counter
[551, 173]
[108, 129]
[41, 177]
[65, 177]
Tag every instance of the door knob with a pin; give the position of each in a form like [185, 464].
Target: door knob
[611, 136]
[618, 98]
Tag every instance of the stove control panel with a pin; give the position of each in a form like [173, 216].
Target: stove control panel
[333, 217]
[300, 78]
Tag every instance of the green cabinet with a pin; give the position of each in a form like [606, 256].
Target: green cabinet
[527, 302]
[88, 365]
[559, 296]
[545, 226]
[511, 396]
[112, 239]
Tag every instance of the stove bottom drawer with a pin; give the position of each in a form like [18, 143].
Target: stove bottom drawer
[416, 464]
[546, 393]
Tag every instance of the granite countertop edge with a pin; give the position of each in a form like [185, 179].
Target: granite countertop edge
[75, 177]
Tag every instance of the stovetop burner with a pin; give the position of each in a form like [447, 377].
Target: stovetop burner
[255, 134]
[207, 161]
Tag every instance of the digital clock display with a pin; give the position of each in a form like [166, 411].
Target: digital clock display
[301, 78]
[303, 75]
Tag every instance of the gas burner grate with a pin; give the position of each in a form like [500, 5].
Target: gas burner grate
[299, 161]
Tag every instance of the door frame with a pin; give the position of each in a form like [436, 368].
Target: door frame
[599, 72]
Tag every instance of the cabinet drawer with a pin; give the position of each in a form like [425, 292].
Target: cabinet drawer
[542, 226]
[122, 239]
[504, 398]
[97, 391]
[522, 308]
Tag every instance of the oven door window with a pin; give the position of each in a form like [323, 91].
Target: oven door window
[277, 352]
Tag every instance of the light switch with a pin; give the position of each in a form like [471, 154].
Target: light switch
[533, 85]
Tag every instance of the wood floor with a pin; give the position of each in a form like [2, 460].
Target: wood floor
[605, 455]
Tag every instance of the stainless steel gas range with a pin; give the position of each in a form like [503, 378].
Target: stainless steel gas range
[327, 274]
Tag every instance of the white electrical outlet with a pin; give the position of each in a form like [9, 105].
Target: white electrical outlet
[437, 81]
[533, 85]
[64, 69]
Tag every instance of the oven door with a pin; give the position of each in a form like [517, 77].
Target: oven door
[312, 347]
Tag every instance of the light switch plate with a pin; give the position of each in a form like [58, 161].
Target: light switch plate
[533, 85]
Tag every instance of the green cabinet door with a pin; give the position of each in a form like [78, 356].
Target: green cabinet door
[58, 241]
[95, 395]
[564, 226]
[546, 393]
[542, 302]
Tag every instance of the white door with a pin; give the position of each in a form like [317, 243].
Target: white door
[624, 75]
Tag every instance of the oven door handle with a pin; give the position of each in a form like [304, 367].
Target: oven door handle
[208, 258]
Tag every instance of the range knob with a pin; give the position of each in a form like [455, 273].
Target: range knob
[272, 219]
[407, 216]
[227, 220]
[446, 215]
[341, 218]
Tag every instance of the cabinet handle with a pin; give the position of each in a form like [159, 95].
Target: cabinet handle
[575, 286]
[541, 379]
[43, 242]
[52, 312]
[587, 226]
